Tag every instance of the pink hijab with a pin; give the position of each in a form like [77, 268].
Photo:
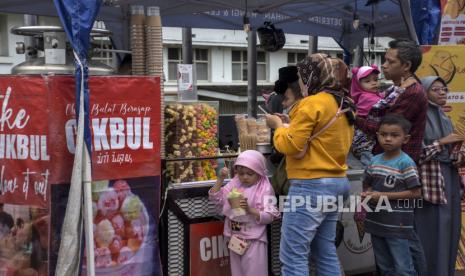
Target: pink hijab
[255, 161]
[359, 73]
[363, 99]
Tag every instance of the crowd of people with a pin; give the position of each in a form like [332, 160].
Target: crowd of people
[405, 142]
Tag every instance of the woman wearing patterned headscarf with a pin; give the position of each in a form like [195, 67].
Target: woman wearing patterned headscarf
[325, 117]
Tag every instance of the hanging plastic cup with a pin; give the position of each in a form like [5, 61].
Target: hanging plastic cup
[137, 10]
[153, 11]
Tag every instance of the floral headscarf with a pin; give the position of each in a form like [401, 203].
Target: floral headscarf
[322, 73]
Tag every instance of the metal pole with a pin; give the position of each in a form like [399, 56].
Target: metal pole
[312, 44]
[187, 46]
[358, 56]
[346, 42]
[252, 74]
[87, 210]
[30, 41]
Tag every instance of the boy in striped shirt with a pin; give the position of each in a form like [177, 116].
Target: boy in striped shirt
[391, 182]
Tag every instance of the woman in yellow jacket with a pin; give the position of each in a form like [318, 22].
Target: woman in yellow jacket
[319, 177]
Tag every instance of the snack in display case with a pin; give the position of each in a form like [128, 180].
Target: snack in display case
[263, 131]
[252, 132]
[191, 130]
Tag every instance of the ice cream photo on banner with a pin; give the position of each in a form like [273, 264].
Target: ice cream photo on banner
[122, 230]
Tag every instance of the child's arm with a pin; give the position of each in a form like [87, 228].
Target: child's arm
[367, 187]
[250, 210]
[254, 212]
[367, 179]
[216, 192]
[366, 190]
[407, 194]
[268, 213]
[219, 180]
[412, 184]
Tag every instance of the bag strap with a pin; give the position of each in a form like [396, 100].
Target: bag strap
[339, 113]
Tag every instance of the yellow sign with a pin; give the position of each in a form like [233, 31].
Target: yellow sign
[452, 23]
[448, 62]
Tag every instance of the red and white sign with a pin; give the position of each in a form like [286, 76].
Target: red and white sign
[209, 253]
[124, 122]
[24, 152]
[38, 127]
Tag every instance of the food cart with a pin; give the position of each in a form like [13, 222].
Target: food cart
[127, 181]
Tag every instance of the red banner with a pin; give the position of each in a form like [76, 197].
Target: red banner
[24, 154]
[209, 253]
[125, 127]
[38, 127]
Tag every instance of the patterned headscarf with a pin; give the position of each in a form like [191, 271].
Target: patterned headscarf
[320, 71]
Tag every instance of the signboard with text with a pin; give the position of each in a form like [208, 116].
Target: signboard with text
[24, 141]
[125, 127]
[209, 253]
[448, 62]
[37, 144]
[452, 22]
[38, 127]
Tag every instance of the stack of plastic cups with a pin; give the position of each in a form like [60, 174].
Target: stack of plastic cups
[138, 40]
[153, 42]
[154, 56]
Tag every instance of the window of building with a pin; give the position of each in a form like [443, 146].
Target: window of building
[3, 35]
[383, 59]
[174, 58]
[293, 58]
[201, 61]
[201, 64]
[239, 66]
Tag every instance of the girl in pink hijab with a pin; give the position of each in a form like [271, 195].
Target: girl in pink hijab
[259, 205]
[364, 90]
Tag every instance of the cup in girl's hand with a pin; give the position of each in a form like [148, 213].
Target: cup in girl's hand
[235, 202]
[234, 198]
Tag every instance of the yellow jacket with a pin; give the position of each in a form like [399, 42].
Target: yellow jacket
[327, 154]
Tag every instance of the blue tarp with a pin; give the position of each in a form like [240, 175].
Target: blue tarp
[77, 18]
[321, 18]
[426, 16]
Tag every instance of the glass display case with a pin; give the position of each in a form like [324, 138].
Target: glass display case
[191, 131]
